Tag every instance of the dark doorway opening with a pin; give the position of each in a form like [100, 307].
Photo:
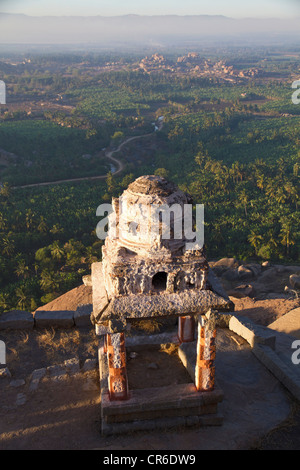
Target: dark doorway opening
[159, 281]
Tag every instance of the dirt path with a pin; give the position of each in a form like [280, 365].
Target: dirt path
[109, 155]
[120, 165]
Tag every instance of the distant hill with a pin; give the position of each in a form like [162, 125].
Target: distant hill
[135, 29]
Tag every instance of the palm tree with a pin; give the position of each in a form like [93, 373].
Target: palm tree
[273, 242]
[8, 246]
[281, 163]
[293, 193]
[271, 189]
[286, 234]
[57, 251]
[42, 227]
[90, 257]
[4, 302]
[237, 171]
[29, 219]
[56, 229]
[22, 298]
[2, 222]
[244, 200]
[260, 180]
[111, 185]
[280, 196]
[255, 240]
[5, 191]
[49, 282]
[22, 269]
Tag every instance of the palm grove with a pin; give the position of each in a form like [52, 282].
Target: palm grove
[239, 157]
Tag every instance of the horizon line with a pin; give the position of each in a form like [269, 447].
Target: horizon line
[156, 15]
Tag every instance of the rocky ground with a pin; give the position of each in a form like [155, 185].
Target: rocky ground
[262, 292]
[62, 412]
[258, 281]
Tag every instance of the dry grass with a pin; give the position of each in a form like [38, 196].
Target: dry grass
[12, 354]
[45, 338]
[24, 338]
[147, 326]
[55, 342]
[92, 345]
[29, 350]
[169, 348]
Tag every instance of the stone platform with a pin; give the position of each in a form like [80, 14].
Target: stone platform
[157, 407]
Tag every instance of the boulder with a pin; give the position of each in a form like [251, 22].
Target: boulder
[72, 365]
[87, 280]
[89, 364]
[16, 320]
[230, 274]
[221, 266]
[17, 383]
[266, 264]
[219, 270]
[70, 300]
[56, 371]
[294, 281]
[268, 275]
[244, 272]
[276, 295]
[21, 399]
[36, 376]
[294, 269]
[244, 290]
[288, 269]
[227, 263]
[255, 268]
[260, 287]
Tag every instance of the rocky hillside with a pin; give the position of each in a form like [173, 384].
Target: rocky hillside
[263, 292]
[259, 281]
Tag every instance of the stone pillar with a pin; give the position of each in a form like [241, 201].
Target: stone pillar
[116, 357]
[186, 329]
[206, 354]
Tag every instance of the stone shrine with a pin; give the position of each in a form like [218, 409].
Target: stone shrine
[151, 270]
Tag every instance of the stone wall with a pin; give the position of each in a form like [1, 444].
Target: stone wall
[22, 320]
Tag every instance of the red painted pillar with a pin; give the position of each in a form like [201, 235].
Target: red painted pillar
[206, 354]
[186, 329]
[116, 356]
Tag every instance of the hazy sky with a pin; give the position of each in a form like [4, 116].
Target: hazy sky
[233, 8]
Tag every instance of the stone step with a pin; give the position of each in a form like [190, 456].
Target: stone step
[161, 402]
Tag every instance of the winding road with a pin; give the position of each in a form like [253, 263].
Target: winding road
[109, 155]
